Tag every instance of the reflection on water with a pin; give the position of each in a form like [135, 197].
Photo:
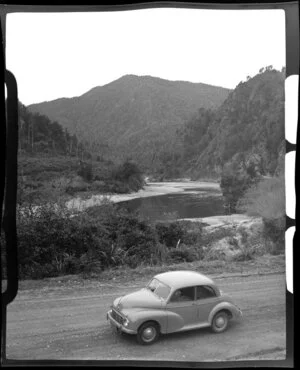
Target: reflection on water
[191, 204]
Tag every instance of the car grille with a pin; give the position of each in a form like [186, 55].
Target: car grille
[116, 316]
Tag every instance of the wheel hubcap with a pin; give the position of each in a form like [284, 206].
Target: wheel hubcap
[220, 322]
[149, 333]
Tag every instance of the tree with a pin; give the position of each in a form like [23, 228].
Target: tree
[238, 175]
[85, 170]
[267, 200]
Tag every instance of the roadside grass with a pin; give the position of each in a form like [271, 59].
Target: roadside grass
[262, 265]
[267, 264]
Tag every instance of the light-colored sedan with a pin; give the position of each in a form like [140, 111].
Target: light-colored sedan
[172, 302]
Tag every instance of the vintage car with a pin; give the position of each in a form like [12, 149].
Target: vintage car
[172, 302]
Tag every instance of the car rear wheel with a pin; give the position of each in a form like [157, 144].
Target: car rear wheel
[220, 322]
[148, 333]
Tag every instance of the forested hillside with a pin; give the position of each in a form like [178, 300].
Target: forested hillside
[250, 123]
[37, 133]
[133, 116]
[240, 143]
[175, 128]
[54, 163]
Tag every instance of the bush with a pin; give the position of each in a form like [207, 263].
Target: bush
[85, 171]
[98, 185]
[274, 229]
[216, 234]
[267, 200]
[52, 243]
[75, 185]
[171, 233]
[246, 249]
[237, 176]
[128, 173]
[49, 241]
[182, 254]
[133, 238]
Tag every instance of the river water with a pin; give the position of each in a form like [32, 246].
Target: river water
[165, 200]
[191, 202]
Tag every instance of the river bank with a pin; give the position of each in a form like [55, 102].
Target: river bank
[109, 236]
[222, 220]
[157, 189]
[151, 189]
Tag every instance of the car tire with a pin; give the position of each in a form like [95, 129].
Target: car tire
[148, 333]
[220, 322]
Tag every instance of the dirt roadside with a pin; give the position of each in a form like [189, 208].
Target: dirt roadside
[67, 320]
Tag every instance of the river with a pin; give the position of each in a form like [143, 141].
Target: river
[190, 203]
[166, 200]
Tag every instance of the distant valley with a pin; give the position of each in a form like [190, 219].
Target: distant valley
[174, 129]
[134, 117]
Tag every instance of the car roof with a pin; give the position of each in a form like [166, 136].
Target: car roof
[181, 279]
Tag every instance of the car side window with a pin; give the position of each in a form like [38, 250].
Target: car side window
[204, 291]
[184, 294]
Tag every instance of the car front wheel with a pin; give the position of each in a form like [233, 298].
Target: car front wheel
[220, 322]
[148, 333]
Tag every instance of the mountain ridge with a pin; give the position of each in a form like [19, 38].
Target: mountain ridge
[250, 122]
[132, 113]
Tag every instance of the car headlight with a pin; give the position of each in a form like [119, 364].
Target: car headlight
[126, 323]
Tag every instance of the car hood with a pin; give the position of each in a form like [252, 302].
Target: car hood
[143, 298]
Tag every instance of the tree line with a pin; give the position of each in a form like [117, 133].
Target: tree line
[37, 133]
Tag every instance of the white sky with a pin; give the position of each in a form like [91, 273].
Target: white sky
[57, 55]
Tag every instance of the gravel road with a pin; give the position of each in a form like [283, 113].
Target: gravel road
[71, 324]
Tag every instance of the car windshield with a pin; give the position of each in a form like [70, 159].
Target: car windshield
[158, 288]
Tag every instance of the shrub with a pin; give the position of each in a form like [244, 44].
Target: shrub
[98, 185]
[126, 230]
[50, 241]
[75, 185]
[130, 174]
[267, 200]
[85, 171]
[274, 229]
[182, 254]
[246, 249]
[159, 254]
[237, 176]
[170, 233]
[217, 234]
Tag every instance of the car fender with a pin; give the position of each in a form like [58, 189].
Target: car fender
[138, 317]
[175, 322]
[224, 306]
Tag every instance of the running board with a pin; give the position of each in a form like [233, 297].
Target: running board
[194, 326]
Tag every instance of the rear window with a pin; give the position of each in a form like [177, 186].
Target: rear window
[204, 291]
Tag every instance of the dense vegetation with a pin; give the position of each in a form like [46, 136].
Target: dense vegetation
[134, 116]
[250, 121]
[241, 144]
[54, 163]
[38, 134]
[52, 243]
[266, 199]
[176, 129]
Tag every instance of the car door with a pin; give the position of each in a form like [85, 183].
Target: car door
[206, 298]
[181, 312]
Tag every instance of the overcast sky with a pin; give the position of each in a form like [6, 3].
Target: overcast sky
[57, 55]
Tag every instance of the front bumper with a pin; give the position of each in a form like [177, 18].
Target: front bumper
[119, 326]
